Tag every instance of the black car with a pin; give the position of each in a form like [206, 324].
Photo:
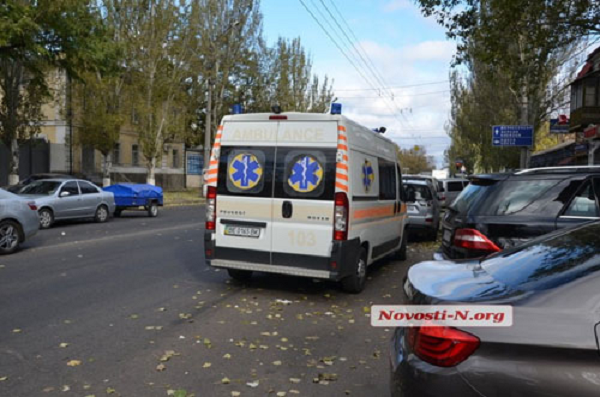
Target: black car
[499, 211]
[552, 284]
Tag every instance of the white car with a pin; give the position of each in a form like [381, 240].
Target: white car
[313, 195]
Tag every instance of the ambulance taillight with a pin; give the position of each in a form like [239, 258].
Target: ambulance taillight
[340, 217]
[211, 208]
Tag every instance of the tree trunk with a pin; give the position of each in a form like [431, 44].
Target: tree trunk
[524, 163]
[207, 126]
[151, 175]
[13, 176]
[106, 166]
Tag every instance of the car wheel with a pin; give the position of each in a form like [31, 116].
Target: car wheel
[10, 236]
[239, 275]
[101, 214]
[153, 210]
[355, 283]
[403, 248]
[46, 218]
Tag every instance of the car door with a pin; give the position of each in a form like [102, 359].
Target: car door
[245, 191]
[583, 207]
[90, 198]
[68, 203]
[304, 192]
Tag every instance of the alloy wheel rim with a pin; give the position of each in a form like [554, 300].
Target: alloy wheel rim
[102, 214]
[154, 210]
[8, 237]
[45, 219]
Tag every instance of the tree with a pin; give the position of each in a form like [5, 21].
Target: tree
[37, 38]
[415, 160]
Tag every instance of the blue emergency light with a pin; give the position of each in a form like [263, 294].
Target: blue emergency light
[236, 109]
[336, 108]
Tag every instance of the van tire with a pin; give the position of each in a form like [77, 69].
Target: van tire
[240, 275]
[355, 283]
[402, 252]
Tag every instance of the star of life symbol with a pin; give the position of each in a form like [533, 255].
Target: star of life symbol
[245, 171]
[306, 174]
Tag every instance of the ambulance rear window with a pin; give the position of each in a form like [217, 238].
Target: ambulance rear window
[246, 171]
[305, 173]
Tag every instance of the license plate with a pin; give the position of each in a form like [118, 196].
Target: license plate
[447, 236]
[242, 231]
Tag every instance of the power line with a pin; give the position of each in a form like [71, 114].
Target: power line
[405, 95]
[397, 86]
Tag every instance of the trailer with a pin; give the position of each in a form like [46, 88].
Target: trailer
[135, 197]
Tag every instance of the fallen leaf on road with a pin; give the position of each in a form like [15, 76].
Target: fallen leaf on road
[281, 394]
[295, 380]
[161, 309]
[277, 362]
[48, 389]
[185, 316]
[235, 394]
[160, 367]
[294, 391]
[74, 363]
[227, 356]
[168, 354]
[134, 317]
[65, 388]
[207, 343]
[3, 378]
[16, 331]
[206, 365]
[110, 390]
[253, 383]
[63, 345]
[225, 381]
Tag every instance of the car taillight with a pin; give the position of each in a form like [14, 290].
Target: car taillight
[442, 346]
[474, 240]
[32, 206]
[340, 217]
[211, 207]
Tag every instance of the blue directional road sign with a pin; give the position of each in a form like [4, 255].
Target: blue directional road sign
[512, 135]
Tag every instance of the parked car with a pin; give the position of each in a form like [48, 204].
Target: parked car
[59, 199]
[433, 182]
[553, 285]
[495, 212]
[32, 178]
[423, 208]
[451, 188]
[132, 197]
[18, 221]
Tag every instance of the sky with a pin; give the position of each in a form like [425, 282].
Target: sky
[409, 54]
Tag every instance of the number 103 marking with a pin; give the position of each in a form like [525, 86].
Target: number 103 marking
[302, 239]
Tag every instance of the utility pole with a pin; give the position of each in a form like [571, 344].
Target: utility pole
[524, 163]
[207, 125]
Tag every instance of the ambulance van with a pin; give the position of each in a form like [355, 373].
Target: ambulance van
[312, 195]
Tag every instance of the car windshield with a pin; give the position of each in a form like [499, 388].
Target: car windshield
[549, 261]
[421, 192]
[42, 188]
[468, 197]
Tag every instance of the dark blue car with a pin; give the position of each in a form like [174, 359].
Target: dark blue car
[132, 196]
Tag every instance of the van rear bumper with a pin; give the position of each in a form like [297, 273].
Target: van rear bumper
[338, 265]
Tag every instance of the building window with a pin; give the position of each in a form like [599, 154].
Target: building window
[590, 93]
[135, 155]
[135, 117]
[176, 158]
[117, 154]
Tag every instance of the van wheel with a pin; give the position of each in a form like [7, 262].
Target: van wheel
[240, 275]
[403, 248]
[355, 283]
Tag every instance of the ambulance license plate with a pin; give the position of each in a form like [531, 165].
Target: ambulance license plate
[242, 231]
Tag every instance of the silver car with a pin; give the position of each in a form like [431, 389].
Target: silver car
[18, 221]
[59, 199]
[423, 207]
[451, 189]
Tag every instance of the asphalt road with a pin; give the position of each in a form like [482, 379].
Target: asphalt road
[128, 308]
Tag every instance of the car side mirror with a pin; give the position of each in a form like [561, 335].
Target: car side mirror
[64, 194]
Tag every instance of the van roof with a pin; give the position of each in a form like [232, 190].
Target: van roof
[297, 116]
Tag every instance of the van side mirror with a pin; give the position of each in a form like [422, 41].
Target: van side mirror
[64, 194]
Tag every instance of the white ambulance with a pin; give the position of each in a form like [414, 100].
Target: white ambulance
[313, 195]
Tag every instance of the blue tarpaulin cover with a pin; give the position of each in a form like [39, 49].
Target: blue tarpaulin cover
[127, 194]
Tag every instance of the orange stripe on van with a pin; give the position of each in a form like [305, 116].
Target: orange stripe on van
[216, 145]
[341, 128]
[341, 186]
[343, 147]
[342, 137]
[343, 177]
[345, 157]
[342, 166]
[374, 212]
[214, 162]
[213, 171]
[213, 180]
[220, 128]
